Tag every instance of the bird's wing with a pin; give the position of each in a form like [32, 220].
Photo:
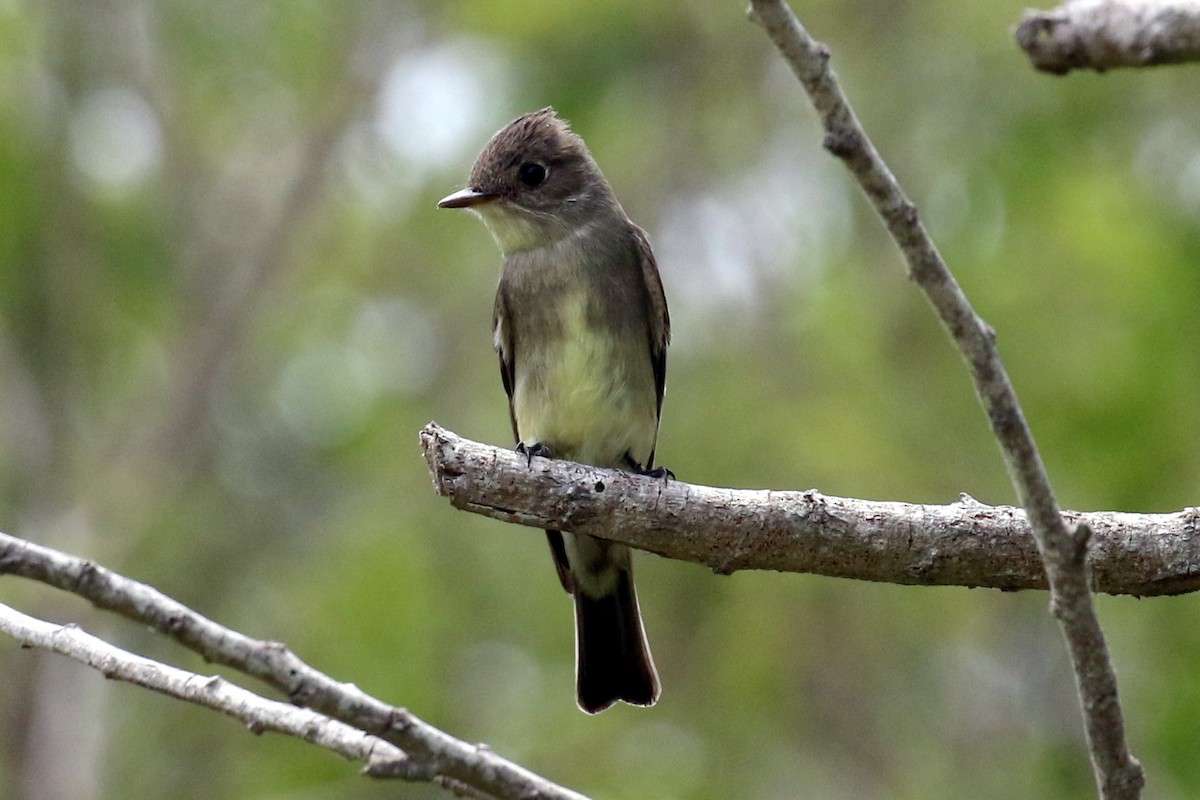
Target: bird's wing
[660, 319]
[502, 340]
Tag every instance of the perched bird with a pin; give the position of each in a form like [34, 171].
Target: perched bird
[581, 327]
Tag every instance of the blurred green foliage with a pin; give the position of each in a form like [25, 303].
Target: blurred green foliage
[228, 304]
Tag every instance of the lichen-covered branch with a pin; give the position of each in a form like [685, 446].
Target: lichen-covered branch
[1119, 776]
[1106, 34]
[965, 543]
[430, 754]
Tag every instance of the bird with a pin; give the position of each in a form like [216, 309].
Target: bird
[581, 327]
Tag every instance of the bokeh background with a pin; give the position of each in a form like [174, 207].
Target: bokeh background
[228, 304]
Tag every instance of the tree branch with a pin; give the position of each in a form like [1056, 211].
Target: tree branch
[431, 754]
[965, 543]
[257, 713]
[1118, 773]
[1106, 34]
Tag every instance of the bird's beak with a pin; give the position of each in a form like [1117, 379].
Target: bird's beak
[466, 198]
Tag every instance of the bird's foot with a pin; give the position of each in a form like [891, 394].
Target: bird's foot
[656, 472]
[529, 451]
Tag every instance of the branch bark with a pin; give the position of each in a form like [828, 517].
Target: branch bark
[1106, 34]
[965, 543]
[430, 754]
[256, 713]
[1118, 773]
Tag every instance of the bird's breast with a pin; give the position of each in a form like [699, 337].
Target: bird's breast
[583, 386]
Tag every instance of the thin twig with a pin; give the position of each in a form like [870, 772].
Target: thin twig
[211, 691]
[1118, 773]
[433, 755]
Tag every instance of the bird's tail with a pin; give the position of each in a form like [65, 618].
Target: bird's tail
[612, 657]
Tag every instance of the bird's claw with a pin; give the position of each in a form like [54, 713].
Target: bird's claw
[529, 451]
[656, 472]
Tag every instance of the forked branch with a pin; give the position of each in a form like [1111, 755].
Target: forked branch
[1118, 773]
[429, 754]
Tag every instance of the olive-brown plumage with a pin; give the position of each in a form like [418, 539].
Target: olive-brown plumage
[581, 327]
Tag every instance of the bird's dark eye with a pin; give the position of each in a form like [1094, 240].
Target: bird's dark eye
[531, 174]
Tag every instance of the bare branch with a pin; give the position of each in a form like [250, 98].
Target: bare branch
[256, 713]
[432, 754]
[1118, 773]
[1106, 34]
[965, 543]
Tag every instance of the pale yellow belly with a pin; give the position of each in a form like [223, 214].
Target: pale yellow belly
[587, 395]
